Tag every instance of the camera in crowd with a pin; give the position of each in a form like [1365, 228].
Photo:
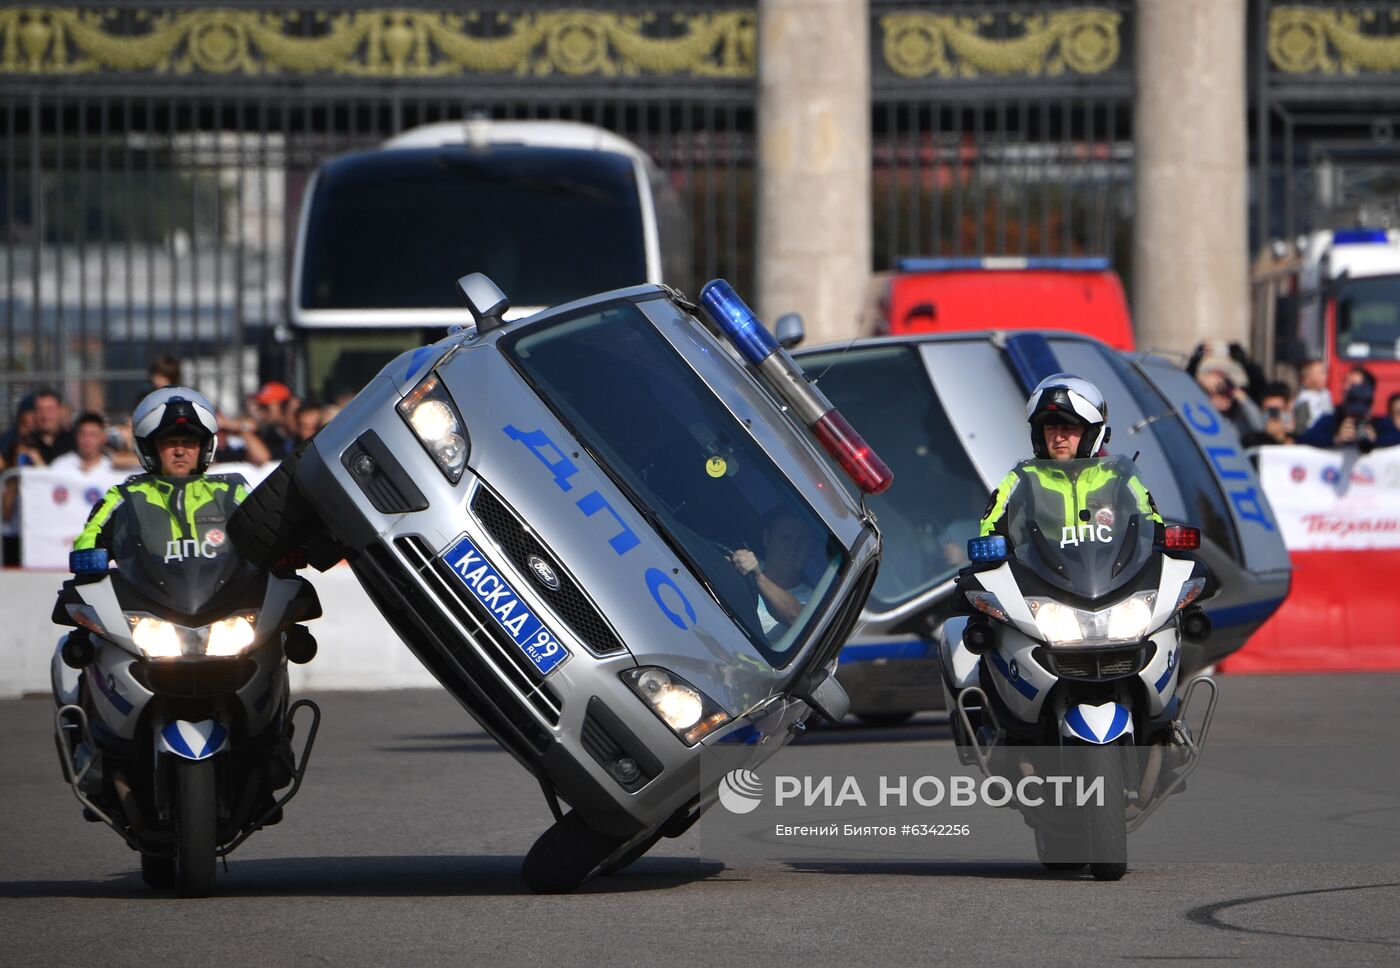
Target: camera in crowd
[1356, 405]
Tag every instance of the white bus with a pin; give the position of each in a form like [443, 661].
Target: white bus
[551, 210]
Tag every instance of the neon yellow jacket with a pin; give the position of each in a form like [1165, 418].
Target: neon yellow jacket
[1075, 492]
[192, 508]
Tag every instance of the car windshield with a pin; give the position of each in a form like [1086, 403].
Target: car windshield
[182, 576]
[690, 466]
[938, 498]
[393, 229]
[1368, 318]
[1080, 524]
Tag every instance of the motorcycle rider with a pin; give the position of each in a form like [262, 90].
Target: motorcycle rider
[1068, 420]
[175, 431]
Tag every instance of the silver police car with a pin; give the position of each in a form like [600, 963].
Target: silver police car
[618, 532]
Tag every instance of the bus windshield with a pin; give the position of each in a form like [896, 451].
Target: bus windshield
[1368, 318]
[394, 229]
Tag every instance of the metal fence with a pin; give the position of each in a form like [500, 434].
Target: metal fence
[154, 155]
[154, 158]
[1002, 128]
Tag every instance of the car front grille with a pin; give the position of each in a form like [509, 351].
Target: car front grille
[567, 601]
[1092, 665]
[504, 656]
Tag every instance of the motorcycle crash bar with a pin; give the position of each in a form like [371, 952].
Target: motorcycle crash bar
[758, 347]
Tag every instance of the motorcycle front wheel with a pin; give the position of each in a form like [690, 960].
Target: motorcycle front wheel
[194, 856]
[1108, 821]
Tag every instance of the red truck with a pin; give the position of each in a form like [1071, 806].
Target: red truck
[946, 295]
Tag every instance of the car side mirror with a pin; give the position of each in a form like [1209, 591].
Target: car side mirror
[485, 300]
[789, 330]
[828, 698]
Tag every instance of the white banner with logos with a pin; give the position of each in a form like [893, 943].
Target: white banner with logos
[1333, 499]
[54, 505]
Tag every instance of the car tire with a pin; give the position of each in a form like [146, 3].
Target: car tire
[885, 720]
[274, 520]
[566, 855]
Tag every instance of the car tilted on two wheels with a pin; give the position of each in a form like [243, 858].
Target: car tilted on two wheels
[549, 514]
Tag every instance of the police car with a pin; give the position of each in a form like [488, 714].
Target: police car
[948, 414]
[549, 513]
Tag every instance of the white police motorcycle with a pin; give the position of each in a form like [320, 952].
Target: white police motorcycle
[1068, 663]
[173, 725]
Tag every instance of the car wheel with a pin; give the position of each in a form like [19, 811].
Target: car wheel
[274, 520]
[566, 855]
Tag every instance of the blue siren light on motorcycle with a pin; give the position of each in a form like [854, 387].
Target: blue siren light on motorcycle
[87, 561]
[990, 548]
[744, 329]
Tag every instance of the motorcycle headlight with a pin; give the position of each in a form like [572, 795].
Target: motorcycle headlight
[156, 638]
[689, 713]
[1060, 624]
[232, 636]
[432, 416]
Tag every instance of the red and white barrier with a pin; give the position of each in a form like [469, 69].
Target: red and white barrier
[1339, 513]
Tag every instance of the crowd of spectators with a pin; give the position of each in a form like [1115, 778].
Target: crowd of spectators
[1267, 411]
[45, 432]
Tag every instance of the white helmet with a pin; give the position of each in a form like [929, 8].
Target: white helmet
[1064, 395]
[174, 410]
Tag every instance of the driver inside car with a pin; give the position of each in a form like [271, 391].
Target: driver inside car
[1068, 421]
[782, 591]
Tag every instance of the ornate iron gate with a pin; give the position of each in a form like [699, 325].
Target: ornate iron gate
[1326, 80]
[155, 155]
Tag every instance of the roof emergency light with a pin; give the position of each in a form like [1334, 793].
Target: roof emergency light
[753, 341]
[1052, 263]
[1360, 237]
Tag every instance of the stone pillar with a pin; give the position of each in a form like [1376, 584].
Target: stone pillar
[1190, 237]
[814, 228]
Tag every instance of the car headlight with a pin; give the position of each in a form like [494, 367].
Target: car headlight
[432, 416]
[231, 636]
[158, 639]
[1060, 624]
[689, 713]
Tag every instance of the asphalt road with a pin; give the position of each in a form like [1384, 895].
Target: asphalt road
[404, 847]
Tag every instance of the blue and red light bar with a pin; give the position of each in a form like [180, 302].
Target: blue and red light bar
[756, 345]
[1066, 263]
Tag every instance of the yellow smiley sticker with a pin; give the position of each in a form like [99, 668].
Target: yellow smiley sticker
[716, 467]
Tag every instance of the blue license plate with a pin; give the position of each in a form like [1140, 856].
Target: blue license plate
[533, 637]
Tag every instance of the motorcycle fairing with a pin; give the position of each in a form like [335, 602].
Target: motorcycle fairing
[192, 741]
[1099, 725]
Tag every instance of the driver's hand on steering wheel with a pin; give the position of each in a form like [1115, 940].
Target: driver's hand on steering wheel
[746, 561]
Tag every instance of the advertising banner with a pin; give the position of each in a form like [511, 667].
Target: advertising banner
[1333, 499]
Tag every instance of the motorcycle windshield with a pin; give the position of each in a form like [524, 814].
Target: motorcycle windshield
[182, 575]
[1084, 526]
